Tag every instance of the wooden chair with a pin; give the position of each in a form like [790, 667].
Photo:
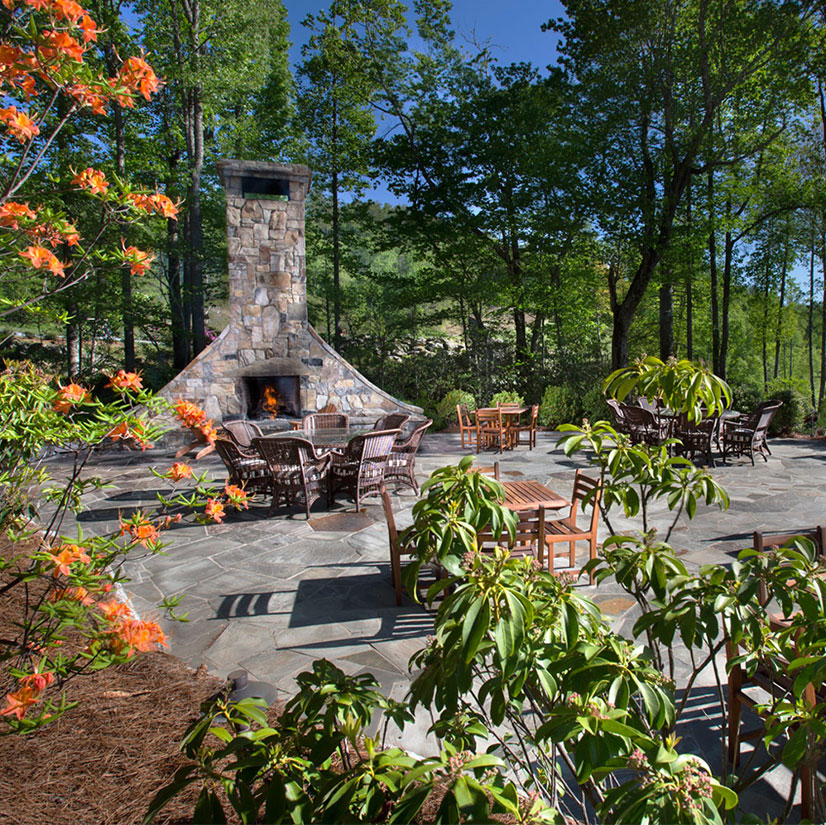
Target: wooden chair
[761, 541]
[530, 427]
[747, 435]
[243, 469]
[325, 421]
[401, 463]
[772, 679]
[490, 429]
[298, 473]
[359, 468]
[529, 538]
[566, 530]
[493, 470]
[243, 432]
[467, 426]
[396, 550]
[393, 421]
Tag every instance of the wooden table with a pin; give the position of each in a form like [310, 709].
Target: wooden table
[510, 417]
[528, 495]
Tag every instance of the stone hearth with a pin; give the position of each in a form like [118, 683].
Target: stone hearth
[268, 334]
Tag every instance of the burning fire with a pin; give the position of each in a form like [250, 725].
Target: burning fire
[272, 401]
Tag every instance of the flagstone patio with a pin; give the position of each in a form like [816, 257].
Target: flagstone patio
[270, 595]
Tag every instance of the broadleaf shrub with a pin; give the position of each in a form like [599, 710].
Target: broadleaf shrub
[507, 397]
[595, 407]
[445, 412]
[790, 417]
[560, 405]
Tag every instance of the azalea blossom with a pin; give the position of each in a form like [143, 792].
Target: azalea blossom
[57, 43]
[215, 510]
[10, 212]
[139, 261]
[237, 496]
[137, 74]
[19, 123]
[123, 380]
[37, 681]
[18, 702]
[68, 396]
[179, 471]
[67, 555]
[91, 179]
[141, 530]
[41, 258]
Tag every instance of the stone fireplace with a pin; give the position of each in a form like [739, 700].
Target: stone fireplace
[269, 361]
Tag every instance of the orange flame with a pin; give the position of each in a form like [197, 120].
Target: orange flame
[272, 401]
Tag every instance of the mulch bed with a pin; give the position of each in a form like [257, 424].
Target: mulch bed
[103, 761]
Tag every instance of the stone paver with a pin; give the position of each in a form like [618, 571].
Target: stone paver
[271, 594]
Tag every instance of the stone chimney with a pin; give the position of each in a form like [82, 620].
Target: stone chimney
[269, 350]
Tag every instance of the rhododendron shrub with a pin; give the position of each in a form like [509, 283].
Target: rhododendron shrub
[46, 81]
[66, 587]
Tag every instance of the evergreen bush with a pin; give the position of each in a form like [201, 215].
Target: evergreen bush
[445, 411]
[791, 416]
[595, 407]
[560, 405]
[507, 397]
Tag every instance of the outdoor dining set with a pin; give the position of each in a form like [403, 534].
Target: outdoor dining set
[325, 456]
[502, 427]
[731, 433]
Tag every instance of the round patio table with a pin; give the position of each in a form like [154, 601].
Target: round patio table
[327, 438]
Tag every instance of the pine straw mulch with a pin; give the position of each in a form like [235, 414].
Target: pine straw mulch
[102, 761]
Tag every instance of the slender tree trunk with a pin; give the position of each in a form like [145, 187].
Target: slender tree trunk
[125, 271]
[764, 326]
[810, 325]
[822, 389]
[728, 256]
[196, 229]
[73, 343]
[689, 280]
[712, 266]
[336, 266]
[666, 296]
[779, 332]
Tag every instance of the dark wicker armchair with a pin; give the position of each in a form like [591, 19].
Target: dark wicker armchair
[242, 433]
[298, 473]
[393, 421]
[696, 436]
[401, 463]
[747, 435]
[244, 469]
[359, 468]
[643, 426]
[325, 421]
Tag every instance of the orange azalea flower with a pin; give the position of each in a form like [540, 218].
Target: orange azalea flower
[19, 123]
[60, 43]
[93, 180]
[189, 414]
[208, 431]
[88, 97]
[68, 396]
[42, 258]
[70, 234]
[137, 74]
[130, 431]
[89, 28]
[164, 206]
[18, 703]
[68, 555]
[115, 611]
[141, 530]
[10, 212]
[214, 510]
[38, 682]
[179, 471]
[123, 380]
[72, 594]
[139, 261]
[170, 520]
[237, 496]
[68, 9]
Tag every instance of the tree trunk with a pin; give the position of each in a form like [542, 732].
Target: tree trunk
[810, 325]
[196, 229]
[728, 255]
[666, 295]
[822, 390]
[764, 327]
[689, 279]
[712, 267]
[779, 331]
[73, 345]
[336, 265]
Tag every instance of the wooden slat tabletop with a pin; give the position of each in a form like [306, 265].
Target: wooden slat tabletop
[526, 495]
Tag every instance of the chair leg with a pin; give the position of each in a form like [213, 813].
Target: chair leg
[592, 554]
[571, 553]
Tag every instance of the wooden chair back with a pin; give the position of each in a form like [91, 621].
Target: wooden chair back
[529, 538]
[489, 426]
[585, 486]
[761, 541]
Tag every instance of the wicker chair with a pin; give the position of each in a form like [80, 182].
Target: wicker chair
[619, 415]
[394, 421]
[359, 468]
[297, 472]
[747, 435]
[696, 436]
[401, 463]
[325, 421]
[242, 433]
[643, 426]
[244, 469]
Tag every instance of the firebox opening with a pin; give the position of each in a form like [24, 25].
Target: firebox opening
[271, 396]
[276, 189]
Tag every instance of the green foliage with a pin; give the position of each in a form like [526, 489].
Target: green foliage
[747, 397]
[682, 386]
[507, 397]
[445, 411]
[594, 406]
[317, 764]
[790, 417]
[559, 405]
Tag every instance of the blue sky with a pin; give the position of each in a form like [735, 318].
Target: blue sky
[512, 27]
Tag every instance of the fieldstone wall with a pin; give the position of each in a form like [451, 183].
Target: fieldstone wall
[268, 307]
